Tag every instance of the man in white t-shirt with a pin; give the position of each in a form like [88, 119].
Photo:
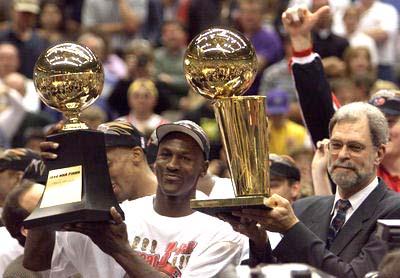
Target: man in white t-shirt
[380, 21]
[13, 162]
[162, 236]
[19, 203]
[10, 249]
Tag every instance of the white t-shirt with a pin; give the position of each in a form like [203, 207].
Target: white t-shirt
[222, 189]
[361, 39]
[196, 245]
[9, 249]
[383, 16]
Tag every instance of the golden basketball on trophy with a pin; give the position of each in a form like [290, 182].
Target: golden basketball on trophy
[221, 64]
[69, 77]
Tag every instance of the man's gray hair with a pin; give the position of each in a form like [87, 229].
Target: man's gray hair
[352, 112]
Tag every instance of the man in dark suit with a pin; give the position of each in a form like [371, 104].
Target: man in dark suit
[336, 233]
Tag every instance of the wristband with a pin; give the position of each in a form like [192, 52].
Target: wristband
[303, 53]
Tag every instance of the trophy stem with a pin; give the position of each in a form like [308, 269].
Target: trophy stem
[73, 122]
[244, 132]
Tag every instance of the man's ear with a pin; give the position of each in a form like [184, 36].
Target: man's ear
[19, 176]
[295, 190]
[381, 151]
[24, 231]
[204, 169]
[138, 154]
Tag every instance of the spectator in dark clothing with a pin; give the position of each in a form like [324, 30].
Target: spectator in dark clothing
[266, 42]
[139, 58]
[21, 33]
[204, 14]
[171, 82]
[52, 22]
[326, 43]
[159, 11]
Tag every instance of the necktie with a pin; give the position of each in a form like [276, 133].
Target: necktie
[337, 222]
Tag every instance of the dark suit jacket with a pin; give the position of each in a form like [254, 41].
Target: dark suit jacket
[355, 251]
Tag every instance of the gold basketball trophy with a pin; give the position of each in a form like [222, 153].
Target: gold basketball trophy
[221, 64]
[69, 77]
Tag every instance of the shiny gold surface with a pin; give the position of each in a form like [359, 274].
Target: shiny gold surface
[215, 207]
[69, 77]
[243, 201]
[220, 63]
[244, 131]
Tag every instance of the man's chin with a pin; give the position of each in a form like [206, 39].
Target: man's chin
[344, 180]
[170, 190]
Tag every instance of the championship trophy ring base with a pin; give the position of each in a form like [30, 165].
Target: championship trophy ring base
[215, 206]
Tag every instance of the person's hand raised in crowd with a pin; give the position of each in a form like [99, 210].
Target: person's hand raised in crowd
[319, 169]
[298, 23]
[111, 237]
[280, 218]
[47, 147]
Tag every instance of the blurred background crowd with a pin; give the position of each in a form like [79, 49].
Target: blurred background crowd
[141, 44]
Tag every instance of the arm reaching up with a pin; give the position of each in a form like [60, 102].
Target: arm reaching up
[313, 90]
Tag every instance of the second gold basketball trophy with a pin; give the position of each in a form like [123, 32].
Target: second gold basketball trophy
[221, 64]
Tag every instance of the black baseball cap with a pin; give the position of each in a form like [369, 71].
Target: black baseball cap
[36, 171]
[121, 133]
[282, 168]
[189, 128]
[387, 101]
[17, 159]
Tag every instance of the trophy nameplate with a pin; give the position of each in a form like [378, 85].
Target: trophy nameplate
[63, 186]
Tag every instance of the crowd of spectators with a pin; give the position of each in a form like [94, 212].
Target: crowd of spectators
[141, 44]
[146, 40]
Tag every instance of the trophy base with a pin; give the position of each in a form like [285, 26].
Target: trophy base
[215, 206]
[57, 216]
[78, 187]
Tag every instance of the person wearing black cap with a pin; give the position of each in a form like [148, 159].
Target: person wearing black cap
[202, 245]
[388, 101]
[130, 174]
[19, 203]
[284, 177]
[131, 177]
[13, 163]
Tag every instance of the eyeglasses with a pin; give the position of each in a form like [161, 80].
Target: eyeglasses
[353, 147]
